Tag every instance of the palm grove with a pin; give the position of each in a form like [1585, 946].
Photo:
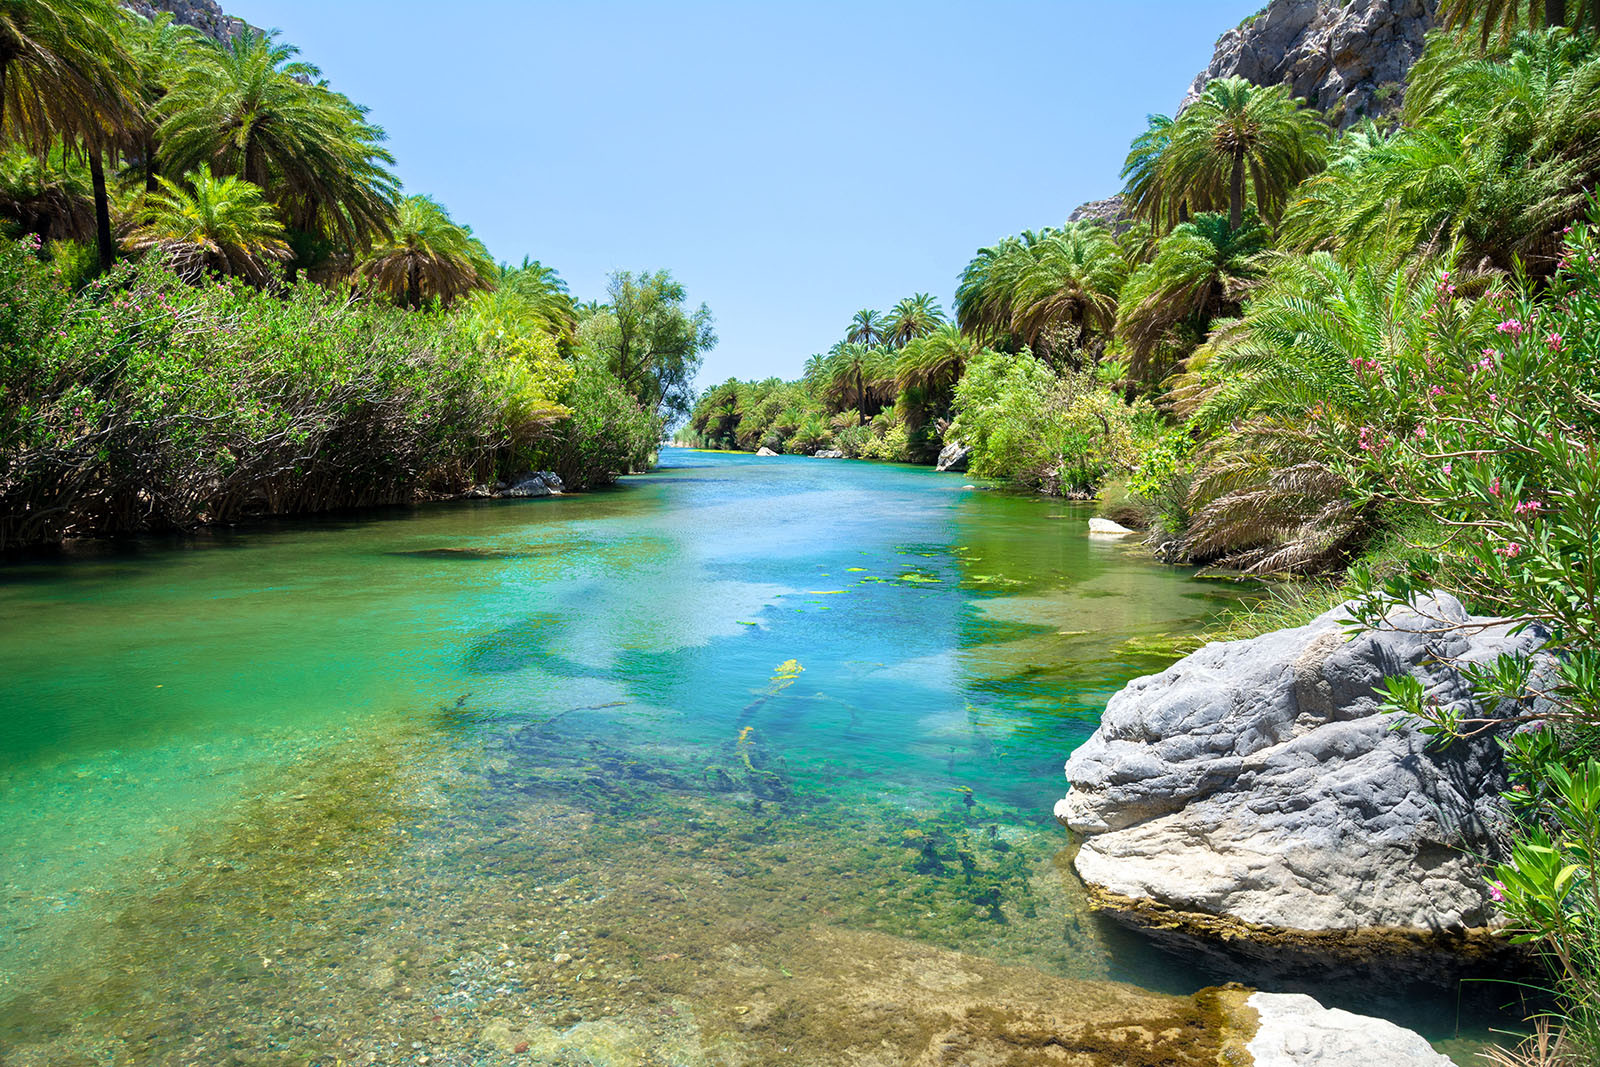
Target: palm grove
[1370, 358]
[216, 301]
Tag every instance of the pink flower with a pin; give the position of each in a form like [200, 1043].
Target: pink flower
[1436, 390]
[1448, 467]
[1529, 507]
[1511, 551]
[1497, 891]
[1512, 327]
[1494, 487]
[1554, 341]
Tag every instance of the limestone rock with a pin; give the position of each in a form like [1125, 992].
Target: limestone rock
[1109, 212]
[765, 451]
[828, 453]
[1296, 1031]
[1348, 58]
[535, 483]
[1258, 783]
[953, 457]
[204, 15]
[1099, 527]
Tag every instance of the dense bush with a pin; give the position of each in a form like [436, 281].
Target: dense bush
[144, 403]
[1057, 433]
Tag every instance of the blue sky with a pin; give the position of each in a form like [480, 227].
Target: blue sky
[788, 162]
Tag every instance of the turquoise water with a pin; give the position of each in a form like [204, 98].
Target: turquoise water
[323, 792]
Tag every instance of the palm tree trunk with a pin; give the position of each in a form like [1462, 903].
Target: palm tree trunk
[1555, 13]
[861, 399]
[4, 63]
[1236, 191]
[102, 209]
[412, 296]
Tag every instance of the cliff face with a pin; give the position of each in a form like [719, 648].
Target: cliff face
[1348, 58]
[204, 15]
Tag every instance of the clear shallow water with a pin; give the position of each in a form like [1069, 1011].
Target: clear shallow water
[611, 778]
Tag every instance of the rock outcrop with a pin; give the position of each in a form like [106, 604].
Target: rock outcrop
[1295, 1031]
[953, 457]
[765, 451]
[828, 453]
[204, 15]
[1110, 213]
[1255, 788]
[1348, 58]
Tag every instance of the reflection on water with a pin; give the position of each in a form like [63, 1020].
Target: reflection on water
[696, 771]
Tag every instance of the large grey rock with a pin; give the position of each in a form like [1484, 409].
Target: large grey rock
[828, 453]
[1111, 213]
[953, 457]
[535, 483]
[1258, 783]
[1348, 58]
[1296, 1031]
[204, 15]
[765, 451]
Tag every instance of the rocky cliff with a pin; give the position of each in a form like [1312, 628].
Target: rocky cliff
[204, 15]
[1348, 58]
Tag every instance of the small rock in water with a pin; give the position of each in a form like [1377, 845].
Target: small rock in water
[561, 957]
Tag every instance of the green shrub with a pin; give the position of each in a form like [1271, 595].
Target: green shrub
[1060, 434]
[144, 403]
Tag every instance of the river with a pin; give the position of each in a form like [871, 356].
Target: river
[597, 779]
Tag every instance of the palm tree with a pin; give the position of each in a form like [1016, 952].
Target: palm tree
[866, 328]
[1071, 285]
[1042, 287]
[915, 316]
[1199, 272]
[1144, 190]
[221, 224]
[1495, 157]
[931, 365]
[427, 257]
[1240, 139]
[851, 367]
[1265, 495]
[159, 49]
[49, 195]
[252, 109]
[63, 73]
[545, 294]
[1511, 15]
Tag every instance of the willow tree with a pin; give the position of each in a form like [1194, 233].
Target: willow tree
[427, 256]
[1240, 142]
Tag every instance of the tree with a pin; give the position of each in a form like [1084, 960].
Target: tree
[1240, 141]
[866, 328]
[915, 316]
[851, 368]
[1144, 189]
[649, 341]
[1495, 158]
[251, 109]
[427, 257]
[1049, 289]
[545, 294]
[1508, 16]
[1199, 272]
[221, 224]
[159, 49]
[64, 73]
